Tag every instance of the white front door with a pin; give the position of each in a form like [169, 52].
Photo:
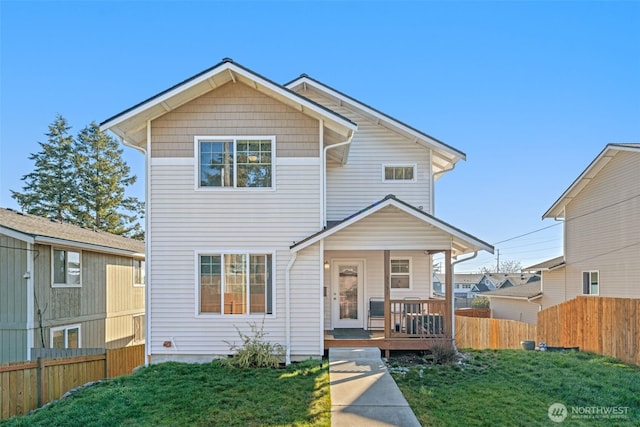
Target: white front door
[347, 293]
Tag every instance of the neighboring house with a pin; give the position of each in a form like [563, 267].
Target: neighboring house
[601, 214]
[63, 286]
[289, 206]
[516, 302]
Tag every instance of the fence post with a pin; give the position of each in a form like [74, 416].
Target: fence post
[42, 382]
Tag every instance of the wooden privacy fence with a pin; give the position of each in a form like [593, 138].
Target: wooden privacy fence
[474, 312]
[481, 333]
[29, 385]
[603, 325]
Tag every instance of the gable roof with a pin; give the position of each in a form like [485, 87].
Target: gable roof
[130, 124]
[548, 265]
[466, 241]
[528, 291]
[462, 278]
[557, 209]
[35, 229]
[445, 156]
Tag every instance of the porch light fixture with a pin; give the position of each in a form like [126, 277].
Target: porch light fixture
[326, 264]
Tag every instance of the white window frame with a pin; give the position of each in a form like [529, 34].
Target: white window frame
[138, 264]
[399, 165]
[410, 274]
[133, 327]
[590, 272]
[66, 329]
[53, 271]
[214, 138]
[247, 253]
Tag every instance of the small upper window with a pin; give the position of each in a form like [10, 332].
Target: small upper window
[138, 272]
[590, 283]
[66, 268]
[236, 162]
[402, 173]
[400, 273]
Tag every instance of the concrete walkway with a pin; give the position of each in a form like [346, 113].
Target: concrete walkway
[363, 393]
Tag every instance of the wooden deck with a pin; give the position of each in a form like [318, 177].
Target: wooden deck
[378, 339]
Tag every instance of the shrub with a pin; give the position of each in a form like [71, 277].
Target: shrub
[444, 354]
[480, 302]
[255, 352]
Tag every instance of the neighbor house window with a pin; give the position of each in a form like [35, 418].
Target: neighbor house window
[65, 337]
[138, 272]
[236, 283]
[66, 268]
[400, 272]
[138, 328]
[590, 283]
[235, 162]
[395, 173]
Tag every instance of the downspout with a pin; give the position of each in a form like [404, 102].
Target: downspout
[30, 277]
[324, 175]
[453, 300]
[287, 313]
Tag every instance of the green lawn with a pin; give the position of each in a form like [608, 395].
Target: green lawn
[174, 394]
[490, 388]
[516, 388]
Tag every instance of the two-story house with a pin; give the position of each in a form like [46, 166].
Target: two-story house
[601, 216]
[64, 286]
[292, 206]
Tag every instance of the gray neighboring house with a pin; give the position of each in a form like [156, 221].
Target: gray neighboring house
[63, 286]
[521, 302]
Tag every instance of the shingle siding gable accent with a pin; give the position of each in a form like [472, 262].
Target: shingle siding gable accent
[234, 109]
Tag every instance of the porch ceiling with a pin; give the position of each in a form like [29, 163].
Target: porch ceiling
[394, 224]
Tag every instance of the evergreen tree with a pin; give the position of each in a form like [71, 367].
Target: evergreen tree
[49, 189]
[103, 176]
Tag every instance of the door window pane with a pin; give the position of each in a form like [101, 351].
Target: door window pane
[348, 287]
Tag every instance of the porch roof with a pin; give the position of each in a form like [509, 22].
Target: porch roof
[461, 241]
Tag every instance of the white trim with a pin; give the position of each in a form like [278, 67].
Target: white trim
[64, 285]
[66, 336]
[402, 258]
[24, 237]
[234, 139]
[305, 105]
[582, 277]
[297, 161]
[362, 315]
[172, 161]
[432, 221]
[147, 243]
[248, 252]
[414, 166]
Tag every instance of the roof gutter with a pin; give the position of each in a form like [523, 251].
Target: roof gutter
[287, 304]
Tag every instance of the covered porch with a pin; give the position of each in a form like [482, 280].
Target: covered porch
[378, 277]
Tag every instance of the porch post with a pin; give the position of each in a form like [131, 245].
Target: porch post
[387, 295]
[448, 294]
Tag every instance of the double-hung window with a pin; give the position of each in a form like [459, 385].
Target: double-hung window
[66, 268]
[228, 162]
[590, 283]
[400, 273]
[65, 337]
[236, 283]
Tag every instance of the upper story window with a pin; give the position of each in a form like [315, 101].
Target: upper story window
[400, 273]
[66, 268]
[138, 272]
[228, 162]
[590, 283]
[399, 173]
[236, 283]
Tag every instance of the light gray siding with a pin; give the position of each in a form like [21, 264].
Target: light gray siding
[185, 222]
[514, 309]
[13, 299]
[359, 183]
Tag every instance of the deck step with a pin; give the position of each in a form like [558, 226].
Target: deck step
[354, 353]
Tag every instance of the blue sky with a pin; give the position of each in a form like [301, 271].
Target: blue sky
[530, 91]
